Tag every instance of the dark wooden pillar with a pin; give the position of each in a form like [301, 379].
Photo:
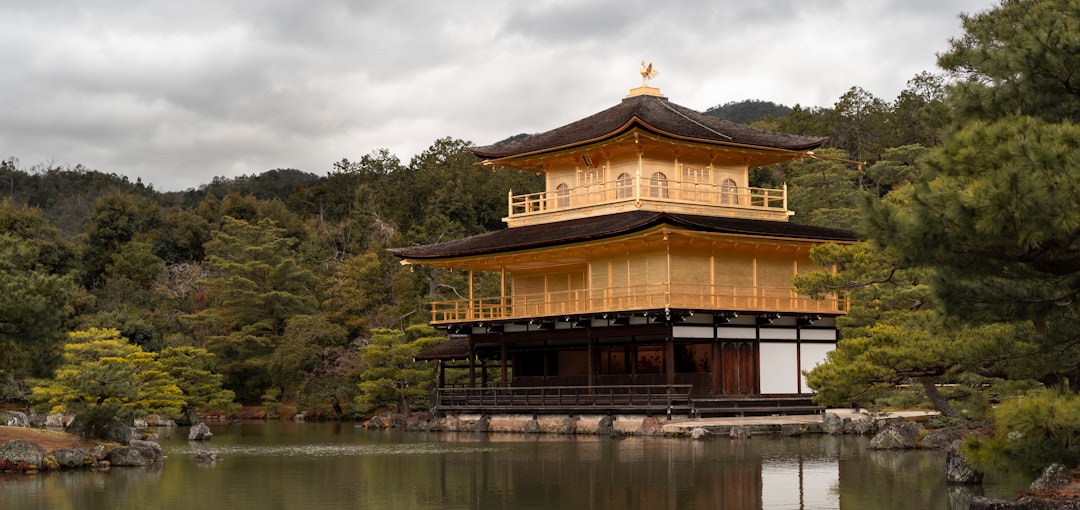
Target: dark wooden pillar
[502, 363]
[592, 357]
[715, 365]
[669, 359]
[483, 373]
[472, 369]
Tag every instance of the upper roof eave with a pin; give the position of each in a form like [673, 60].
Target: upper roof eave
[657, 115]
[638, 123]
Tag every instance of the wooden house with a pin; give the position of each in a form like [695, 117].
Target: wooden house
[648, 276]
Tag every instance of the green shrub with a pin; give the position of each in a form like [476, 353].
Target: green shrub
[1031, 433]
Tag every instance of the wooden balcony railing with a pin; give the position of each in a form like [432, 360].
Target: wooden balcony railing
[637, 189]
[628, 299]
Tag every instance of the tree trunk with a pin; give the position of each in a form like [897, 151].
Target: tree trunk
[939, 400]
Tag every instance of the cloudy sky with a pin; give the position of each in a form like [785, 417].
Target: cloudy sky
[177, 92]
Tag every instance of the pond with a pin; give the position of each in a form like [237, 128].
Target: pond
[338, 465]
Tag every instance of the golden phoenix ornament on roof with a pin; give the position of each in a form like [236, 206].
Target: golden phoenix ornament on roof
[647, 72]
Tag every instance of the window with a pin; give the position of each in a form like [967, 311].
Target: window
[695, 183]
[562, 192]
[624, 186]
[695, 175]
[591, 186]
[658, 185]
[590, 177]
[729, 194]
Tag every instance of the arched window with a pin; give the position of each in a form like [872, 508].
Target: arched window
[624, 186]
[658, 185]
[728, 192]
[562, 192]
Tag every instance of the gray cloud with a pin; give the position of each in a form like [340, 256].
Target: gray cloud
[178, 92]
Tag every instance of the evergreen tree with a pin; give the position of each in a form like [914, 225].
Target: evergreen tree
[104, 378]
[859, 124]
[256, 285]
[895, 334]
[995, 217]
[313, 363]
[391, 376]
[201, 388]
[34, 306]
[825, 192]
[1017, 59]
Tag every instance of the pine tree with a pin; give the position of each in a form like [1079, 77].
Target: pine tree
[105, 378]
[995, 215]
[256, 286]
[391, 375]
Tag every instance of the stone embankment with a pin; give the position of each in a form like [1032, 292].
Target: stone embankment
[840, 422]
[29, 450]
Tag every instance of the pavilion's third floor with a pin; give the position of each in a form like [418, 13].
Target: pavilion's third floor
[634, 173]
[655, 192]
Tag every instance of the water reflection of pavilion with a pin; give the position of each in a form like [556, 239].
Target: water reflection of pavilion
[649, 473]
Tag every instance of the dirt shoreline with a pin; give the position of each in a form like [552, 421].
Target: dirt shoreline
[48, 439]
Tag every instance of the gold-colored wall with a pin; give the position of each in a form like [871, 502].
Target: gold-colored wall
[573, 173]
[719, 274]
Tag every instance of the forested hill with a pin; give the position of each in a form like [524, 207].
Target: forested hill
[749, 111]
[282, 274]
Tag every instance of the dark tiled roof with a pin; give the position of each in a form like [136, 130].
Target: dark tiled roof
[599, 227]
[655, 114]
[455, 347]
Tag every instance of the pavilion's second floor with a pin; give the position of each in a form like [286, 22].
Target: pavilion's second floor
[625, 264]
[622, 303]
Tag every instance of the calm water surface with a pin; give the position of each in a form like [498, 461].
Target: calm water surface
[337, 465]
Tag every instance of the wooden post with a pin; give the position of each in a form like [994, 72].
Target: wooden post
[669, 360]
[472, 296]
[472, 370]
[483, 373]
[502, 362]
[591, 349]
[716, 364]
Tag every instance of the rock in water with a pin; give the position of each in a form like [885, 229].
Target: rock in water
[739, 432]
[200, 432]
[74, 458]
[136, 453]
[149, 449]
[21, 455]
[206, 457]
[15, 419]
[832, 424]
[864, 426]
[606, 425]
[1054, 476]
[896, 435]
[957, 469]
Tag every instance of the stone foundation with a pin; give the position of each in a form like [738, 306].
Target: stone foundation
[585, 424]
